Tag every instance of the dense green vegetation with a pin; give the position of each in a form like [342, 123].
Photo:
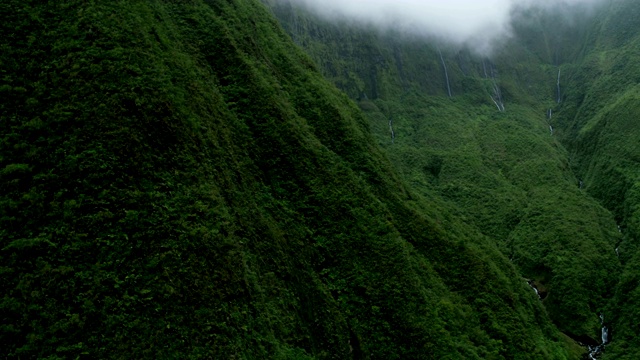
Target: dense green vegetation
[242, 180]
[179, 181]
[503, 172]
[600, 126]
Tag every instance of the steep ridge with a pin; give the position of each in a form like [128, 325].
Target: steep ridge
[506, 173]
[599, 124]
[179, 181]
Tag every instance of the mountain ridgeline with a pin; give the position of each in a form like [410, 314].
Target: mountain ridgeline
[231, 179]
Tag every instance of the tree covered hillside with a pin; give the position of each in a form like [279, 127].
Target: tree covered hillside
[178, 180]
[600, 125]
[480, 135]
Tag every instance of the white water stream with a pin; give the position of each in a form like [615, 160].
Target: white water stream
[393, 134]
[558, 85]
[604, 337]
[446, 73]
[497, 94]
[533, 286]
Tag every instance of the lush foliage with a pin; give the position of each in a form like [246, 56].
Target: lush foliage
[505, 173]
[600, 126]
[179, 181]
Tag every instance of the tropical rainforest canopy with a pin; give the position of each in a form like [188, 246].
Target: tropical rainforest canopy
[236, 179]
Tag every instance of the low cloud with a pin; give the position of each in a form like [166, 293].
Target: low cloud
[477, 23]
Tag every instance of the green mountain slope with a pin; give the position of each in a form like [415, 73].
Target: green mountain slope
[600, 126]
[504, 172]
[179, 181]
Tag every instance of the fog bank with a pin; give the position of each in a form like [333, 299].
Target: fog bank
[477, 23]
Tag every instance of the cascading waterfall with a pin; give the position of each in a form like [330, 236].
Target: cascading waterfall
[618, 245]
[497, 94]
[393, 134]
[604, 337]
[558, 86]
[446, 73]
[535, 288]
[497, 98]
[549, 114]
[551, 129]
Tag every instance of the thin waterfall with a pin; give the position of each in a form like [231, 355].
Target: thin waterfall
[535, 288]
[446, 73]
[604, 337]
[558, 85]
[618, 245]
[484, 68]
[497, 98]
[393, 134]
[497, 94]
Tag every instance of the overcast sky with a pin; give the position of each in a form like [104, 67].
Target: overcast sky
[477, 22]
